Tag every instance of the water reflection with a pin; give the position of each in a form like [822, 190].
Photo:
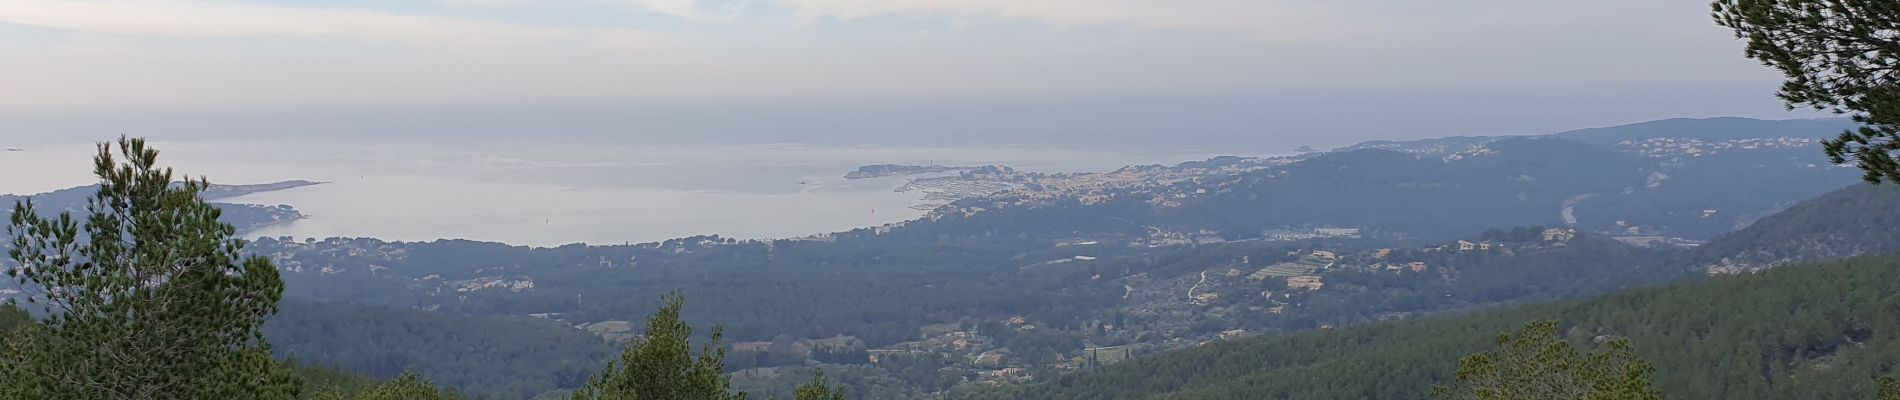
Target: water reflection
[537, 193]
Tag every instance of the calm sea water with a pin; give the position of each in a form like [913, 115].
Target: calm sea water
[543, 194]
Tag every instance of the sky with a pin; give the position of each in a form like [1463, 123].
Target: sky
[1256, 72]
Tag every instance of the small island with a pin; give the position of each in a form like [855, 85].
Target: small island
[884, 170]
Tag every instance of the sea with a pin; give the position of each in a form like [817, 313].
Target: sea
[541, 192]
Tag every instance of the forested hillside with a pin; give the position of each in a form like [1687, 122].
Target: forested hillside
[1853, 221]
[1512, 182]
[1390, 193]
[1816, 330]
[1820, 330]
[1694, 179]
[508, 357]
[1707, 194]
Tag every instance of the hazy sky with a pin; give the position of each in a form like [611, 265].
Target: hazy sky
[1255, 71]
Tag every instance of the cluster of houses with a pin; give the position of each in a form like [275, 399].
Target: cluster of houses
[1004, 187]
[517, 284]
[1415, 266]
[1690, 147]
[801, 347]
[1282, 234]
[1305, 282]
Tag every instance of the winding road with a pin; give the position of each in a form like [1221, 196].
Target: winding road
[1197, 285]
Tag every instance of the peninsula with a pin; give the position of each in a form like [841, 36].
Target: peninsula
[884, 170]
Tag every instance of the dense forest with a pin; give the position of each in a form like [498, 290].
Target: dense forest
[510, 357]
[1794, 331]
[1813, 230]
[1820, 330]
[1521, 181]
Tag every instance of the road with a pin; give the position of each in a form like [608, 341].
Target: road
[1569, 213]
[1197, 285]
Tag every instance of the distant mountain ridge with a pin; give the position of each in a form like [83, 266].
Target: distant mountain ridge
[1680, 178]
[1508, 182]
[1719, 128]
[1429, 147]
[1716, 128]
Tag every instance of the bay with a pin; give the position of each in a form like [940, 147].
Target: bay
[546, 192]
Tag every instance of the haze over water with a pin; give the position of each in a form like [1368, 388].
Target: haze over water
[544, 192]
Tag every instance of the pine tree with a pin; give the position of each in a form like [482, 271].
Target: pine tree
[1839, 55]
[149, 299]
[408, 386]
[661, 364]
[817, 389]
[12, 317]
[1537, 365]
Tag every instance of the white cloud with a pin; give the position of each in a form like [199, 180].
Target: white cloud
[213, 54]
[689, 9]
[232, 19]
[1269, 19]
[150, 53]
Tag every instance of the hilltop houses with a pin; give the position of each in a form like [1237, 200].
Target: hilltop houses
[1337, 232]
[1559, 234]
[1205, 298]
[1415, 266]
[1307, 282]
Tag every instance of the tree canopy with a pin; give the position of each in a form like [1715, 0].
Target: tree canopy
[661, 364]
[1537, 364]
[12, 317]
[1820, 330]
[1839, 55]
[147, 299]
[817, 389]
[407, 386]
